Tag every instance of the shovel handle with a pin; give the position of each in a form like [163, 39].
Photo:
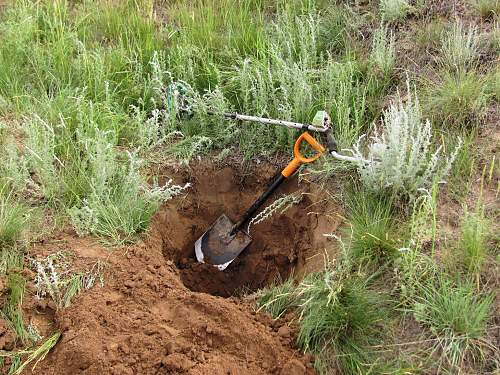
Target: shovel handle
[300, 159]
[290, 169]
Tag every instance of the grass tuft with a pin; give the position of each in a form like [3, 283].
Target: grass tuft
[457, 100]
[372, 228]
[14, 219]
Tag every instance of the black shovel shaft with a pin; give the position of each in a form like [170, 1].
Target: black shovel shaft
[258, 203]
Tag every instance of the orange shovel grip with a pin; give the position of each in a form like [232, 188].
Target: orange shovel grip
[301, 159]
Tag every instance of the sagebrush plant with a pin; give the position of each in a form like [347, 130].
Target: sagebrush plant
[56, 279]
[402, 158]
[394, 10]
[457, 100]
[383, 53]
[459, 46]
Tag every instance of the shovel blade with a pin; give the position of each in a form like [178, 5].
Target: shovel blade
[218, 247]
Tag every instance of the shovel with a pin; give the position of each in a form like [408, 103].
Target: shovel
[224, 240]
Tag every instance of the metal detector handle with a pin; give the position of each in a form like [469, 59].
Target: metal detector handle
[289, 170]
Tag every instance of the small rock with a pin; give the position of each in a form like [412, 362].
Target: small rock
[151, 268]
[284, 331]
[170, 347]
[209, 330]
[210, 341]
[129, 284]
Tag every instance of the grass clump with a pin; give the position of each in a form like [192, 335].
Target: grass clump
[372, 228]
[394, 10]
[473, 240]
[456, 316]
[401, 158]
[338, 317]
[458, 100]
[276, 299]
[14, 218]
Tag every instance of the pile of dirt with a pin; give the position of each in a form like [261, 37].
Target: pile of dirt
[150, 317]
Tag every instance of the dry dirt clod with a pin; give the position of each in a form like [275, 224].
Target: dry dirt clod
[170, 347]
[284, 331]
[293, 367]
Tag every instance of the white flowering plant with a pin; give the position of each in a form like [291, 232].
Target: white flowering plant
[401, 156]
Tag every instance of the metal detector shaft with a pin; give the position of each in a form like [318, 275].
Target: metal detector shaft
[264, 120]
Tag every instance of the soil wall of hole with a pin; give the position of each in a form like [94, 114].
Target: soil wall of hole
[287, 243]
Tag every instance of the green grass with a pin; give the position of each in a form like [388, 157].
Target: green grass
[372, 228]
[14, 219]
[339, 317]
[457, 100]
[12, 309]
[473, 240]
[276, 299]
[456, 315]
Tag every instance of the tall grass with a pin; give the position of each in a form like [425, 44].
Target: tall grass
[14, 218]
[372, 228]
[473, 239]
[457, 100]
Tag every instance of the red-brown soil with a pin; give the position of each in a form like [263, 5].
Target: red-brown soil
[160, 312]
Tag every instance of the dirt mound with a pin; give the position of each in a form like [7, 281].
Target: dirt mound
[148, 317]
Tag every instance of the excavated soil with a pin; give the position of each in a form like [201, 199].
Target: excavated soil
[161, 312]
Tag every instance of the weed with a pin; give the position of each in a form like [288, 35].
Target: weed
[401, 157]
[457, 100]
[459, 47]
[394, 10]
